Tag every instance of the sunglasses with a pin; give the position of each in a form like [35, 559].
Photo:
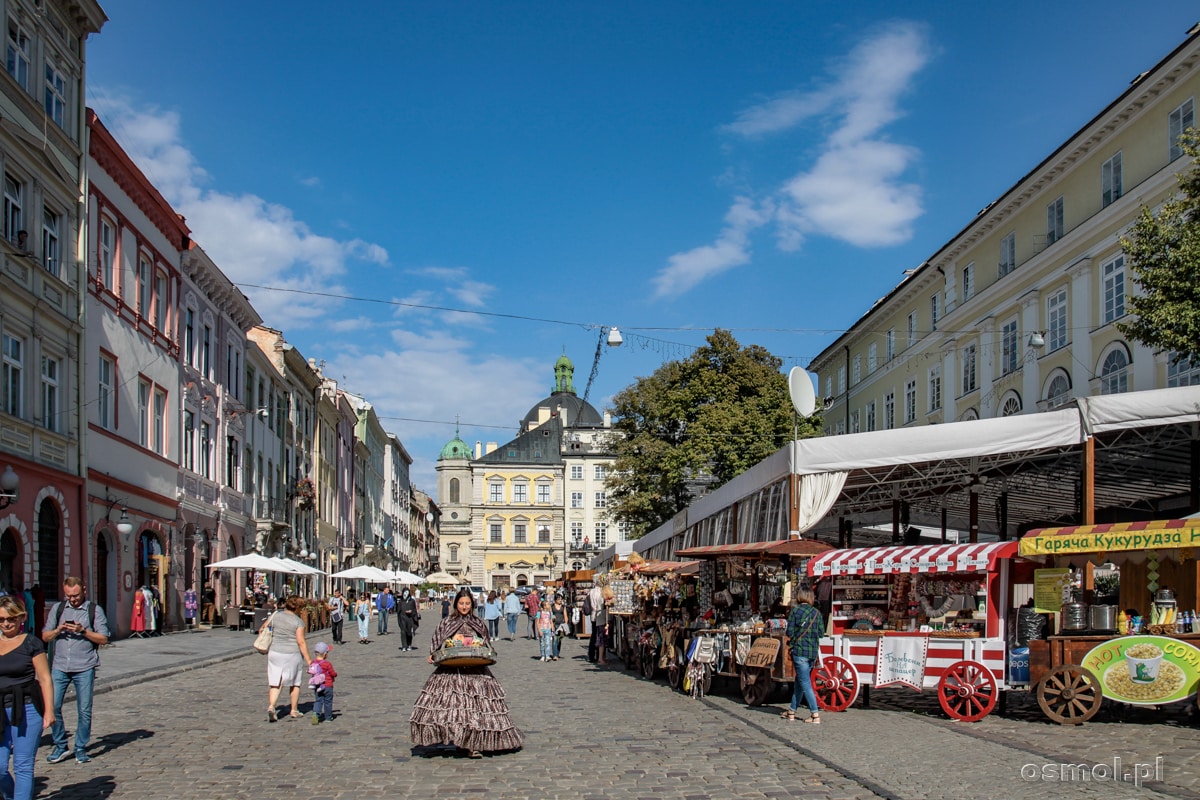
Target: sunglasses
[13, 620]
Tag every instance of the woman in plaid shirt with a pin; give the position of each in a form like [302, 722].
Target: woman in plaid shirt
[804, 630]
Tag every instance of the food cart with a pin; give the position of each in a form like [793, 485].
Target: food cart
[922, 616]
[739, 587]
[1151, 658]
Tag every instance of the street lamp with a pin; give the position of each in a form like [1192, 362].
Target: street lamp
[9, 483]
[124, 524]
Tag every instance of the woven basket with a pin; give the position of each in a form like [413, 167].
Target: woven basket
[460, 656]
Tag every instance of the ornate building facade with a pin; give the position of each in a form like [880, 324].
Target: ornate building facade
[523, 512]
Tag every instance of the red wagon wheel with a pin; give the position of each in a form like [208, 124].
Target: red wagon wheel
[835, 683]
[967, 691]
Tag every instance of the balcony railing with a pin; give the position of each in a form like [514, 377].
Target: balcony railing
[267, 510]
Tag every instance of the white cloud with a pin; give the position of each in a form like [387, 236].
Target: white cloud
[436, 376]
[853, 189]
[731, 249]
[251, 239]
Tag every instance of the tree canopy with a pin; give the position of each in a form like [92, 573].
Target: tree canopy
[1163, 250]
[693, 425]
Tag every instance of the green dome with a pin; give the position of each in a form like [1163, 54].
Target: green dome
[563, 361]
[455, 448]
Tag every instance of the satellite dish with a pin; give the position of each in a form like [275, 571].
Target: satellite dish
[804, 396]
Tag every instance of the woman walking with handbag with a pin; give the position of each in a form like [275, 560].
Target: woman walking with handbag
[463, 706]
[362, 614]
[804, 630]
[287, 657]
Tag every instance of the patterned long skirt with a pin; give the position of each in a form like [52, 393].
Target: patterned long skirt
[464, 706]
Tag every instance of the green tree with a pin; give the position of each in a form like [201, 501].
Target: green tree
[1163, 251]
[693, 425]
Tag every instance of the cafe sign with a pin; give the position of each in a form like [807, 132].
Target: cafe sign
[1115, 537]
[1145, 670]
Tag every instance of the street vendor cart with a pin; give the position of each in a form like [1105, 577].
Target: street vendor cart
[742, 594]
[1144, 654]
[925, 616]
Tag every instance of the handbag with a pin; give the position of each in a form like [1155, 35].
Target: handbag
[464, 651]
[262, 642]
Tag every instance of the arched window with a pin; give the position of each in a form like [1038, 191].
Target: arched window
[454, 490]
[1114, 373]
[1058, 389]
[969, 414]
[453, 551]
[49, 537]
[1011, 405]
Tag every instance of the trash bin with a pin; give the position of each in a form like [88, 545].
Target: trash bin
[231, 617]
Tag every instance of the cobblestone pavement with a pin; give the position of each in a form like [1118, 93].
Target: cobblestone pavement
[590, 733]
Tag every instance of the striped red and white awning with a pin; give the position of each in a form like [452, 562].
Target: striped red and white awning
[979, 557]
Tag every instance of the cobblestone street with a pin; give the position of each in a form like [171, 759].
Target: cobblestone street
[590, 733]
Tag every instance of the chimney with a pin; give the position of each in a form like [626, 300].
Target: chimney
[478, 448]
[607, 420]
[491, 447]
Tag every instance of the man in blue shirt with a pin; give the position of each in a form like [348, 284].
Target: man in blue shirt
[384, 603]
[75, 628]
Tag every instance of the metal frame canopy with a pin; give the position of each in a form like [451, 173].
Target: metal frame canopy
[1117, 456]
[1162, 534]
[785, 547]
[911, 560]
[1133, 452]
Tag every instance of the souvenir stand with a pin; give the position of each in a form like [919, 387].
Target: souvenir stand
[742, 596]
[651, 600]
[926, 616]
[1145, 650]
[575, 584]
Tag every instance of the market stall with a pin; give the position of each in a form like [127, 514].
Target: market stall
[651, 601]
[1141, 651]
[931, 616]
[575, 584]
[742, 596]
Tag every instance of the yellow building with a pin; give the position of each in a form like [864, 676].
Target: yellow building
[520, 513]
[1018, 311]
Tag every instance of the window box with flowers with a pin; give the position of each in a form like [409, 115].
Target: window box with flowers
[306, 493]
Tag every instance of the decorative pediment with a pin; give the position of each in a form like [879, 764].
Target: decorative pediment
[522, 564]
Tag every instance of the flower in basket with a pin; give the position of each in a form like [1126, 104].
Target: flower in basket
[463, 640]
[306, 492]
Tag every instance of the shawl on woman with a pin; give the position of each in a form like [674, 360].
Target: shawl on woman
[457, 623]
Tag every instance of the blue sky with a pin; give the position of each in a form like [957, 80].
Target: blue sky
[665, 167]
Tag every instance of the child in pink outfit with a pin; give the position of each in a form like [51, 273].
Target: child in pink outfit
[322, 673]
[545, 629]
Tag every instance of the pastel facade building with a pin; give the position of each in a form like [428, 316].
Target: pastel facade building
[1019, 310]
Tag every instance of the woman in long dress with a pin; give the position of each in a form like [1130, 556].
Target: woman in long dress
[362, 614]
[463, 706]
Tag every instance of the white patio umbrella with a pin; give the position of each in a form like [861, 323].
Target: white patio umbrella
[406, 577]
[365, 573]
[258, 562]
[444, 578]
[297, 567]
